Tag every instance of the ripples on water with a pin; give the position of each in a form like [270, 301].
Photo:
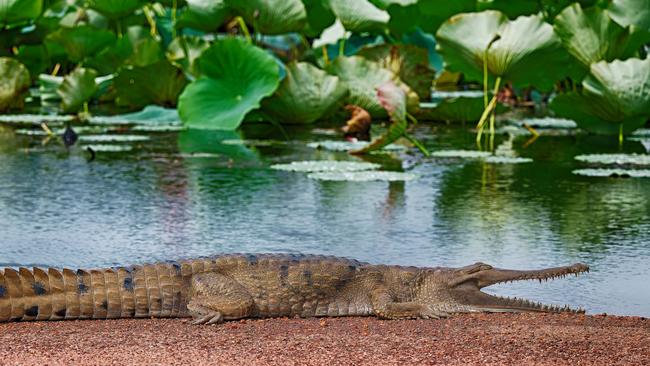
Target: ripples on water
[158, 202]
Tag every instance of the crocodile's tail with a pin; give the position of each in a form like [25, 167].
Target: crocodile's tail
[157, 290]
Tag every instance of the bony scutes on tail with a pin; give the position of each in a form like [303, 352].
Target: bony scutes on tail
[235, 286]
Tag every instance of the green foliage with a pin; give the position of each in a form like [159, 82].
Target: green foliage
[236, 76]
[14, 84]
[319, 16]
[159, 83]
[115, 9]
[17, 11]
[204, 15]
[305, 95]
[359, 15]
[615, 95]
[272, 16]
[631, 12]
[77, 88]
[82, 41]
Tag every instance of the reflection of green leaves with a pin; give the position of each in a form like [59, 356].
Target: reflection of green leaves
[14, 83]
[272, 16]
[305, 95]
[363, 77]
[614, 94]
[527, 53]
[411, 63]
[16, 11]
[159, 83]
[82, 41]
[236, 77]
[359, 15]
[115, 9]
[591, 36]
[77, 88]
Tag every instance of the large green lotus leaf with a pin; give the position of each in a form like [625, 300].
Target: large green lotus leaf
[204, 15]
[82, 41]
[34, 57]
[527, 53]
[591, 36]
[410, 62]
[185, 50]
[511, 8]
[631, 12]
[14, 83]
[78, 87]
[111, 58]
[306, 94]
[435, 12]
[319, 17]
[16, 11]
[115, 9]
[362, 77]
[613, 93]
[159, 83]
[579, 108]
[393, 99]
[272, 16]
[237, 76]
[359, 15]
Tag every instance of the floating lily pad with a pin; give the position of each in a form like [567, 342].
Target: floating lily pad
[33, 119]
[507, 160]
[108, 148]
[622, 173]
[615, 159]
[199, 155]
[642, 132]
[461, 154]
[364, 176]
[437, 95]
[28, 132]
[113, 138]
[257, 143]
[151, 115]
[551, 123]
[325, 166]
[157, 128]
[348, 145]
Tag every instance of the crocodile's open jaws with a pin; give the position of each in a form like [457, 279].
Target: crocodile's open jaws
[466, 288]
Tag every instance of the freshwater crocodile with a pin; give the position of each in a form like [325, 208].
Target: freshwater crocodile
[235, 286]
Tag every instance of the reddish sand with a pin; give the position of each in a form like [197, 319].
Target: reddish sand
[481, 339]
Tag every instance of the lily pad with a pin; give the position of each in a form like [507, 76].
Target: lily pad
[615, 159]
[507, 160]
[82, 41]
[204, 15]
[461, 154]
[272, 16]
[614, 173]
[255, 143]
[14, 83]
[108, 148]
[525, 51]
[325, 166]
[237, 76]
[547, 123]
[349, 145]
[157, 128]
[305, 95]
[113, 138]
[438, 95]
[364, 176]
[34, 119]
[16, 11]
[159, 83]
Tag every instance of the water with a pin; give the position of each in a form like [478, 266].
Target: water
[159, 202]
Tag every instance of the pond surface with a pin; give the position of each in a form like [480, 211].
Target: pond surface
[186, 194]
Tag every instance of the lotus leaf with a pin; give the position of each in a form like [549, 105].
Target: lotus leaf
[108, 60]
[511, 8]
[435, 12]
[184, 51]
[82, 41]
[393, 100]
[591, 36]
[631, 12]
[457, 109]
[159, 83]
[525, 51]
[236, 77]
[272, 16]
[614, 94]
[305, 95]
[204, 15]
[359, 15]
[363, 77]
[319, 17]
[115, 9]
[14, 83]
[411, 63]
[16, 11]
[77, 88]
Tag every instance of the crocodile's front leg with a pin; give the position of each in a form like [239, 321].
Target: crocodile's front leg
[215, 298]
[386, 307]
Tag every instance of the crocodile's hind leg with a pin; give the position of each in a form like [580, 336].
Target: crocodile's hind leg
[215, 298]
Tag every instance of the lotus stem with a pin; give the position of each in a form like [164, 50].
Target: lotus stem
[620, 135]
[342, 47]
[484, 117]
[244, 29]
[412, 119]
[494, 111]
[417, 144]
[148, 13]
[174, 9]
[326, 56]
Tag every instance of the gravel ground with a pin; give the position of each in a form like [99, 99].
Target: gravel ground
[478, 339]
